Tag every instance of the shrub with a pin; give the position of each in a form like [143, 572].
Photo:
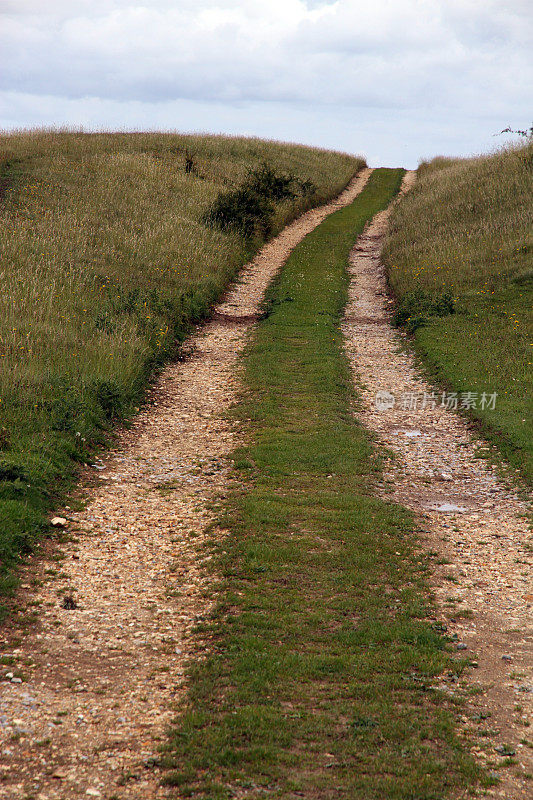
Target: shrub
[249, 210]
[415, 308]
[266, 183]
[190, 162]
[243, 210]
[65, 411]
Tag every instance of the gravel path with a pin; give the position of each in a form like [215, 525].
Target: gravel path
[468, 517]
[91, 688]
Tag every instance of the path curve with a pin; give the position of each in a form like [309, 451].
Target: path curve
[488, 544]
[103, 680]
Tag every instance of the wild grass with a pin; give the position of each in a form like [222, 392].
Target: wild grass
[318, 680]
[467, 229]
[105, 264]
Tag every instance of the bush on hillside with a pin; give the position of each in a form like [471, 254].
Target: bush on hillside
[249, 209]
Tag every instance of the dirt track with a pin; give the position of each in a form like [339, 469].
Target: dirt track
[103, 680]
[485, 547]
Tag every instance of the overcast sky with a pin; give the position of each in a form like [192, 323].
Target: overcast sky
[396, 80]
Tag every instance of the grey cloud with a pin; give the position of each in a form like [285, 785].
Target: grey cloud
[441, 59]
[252, 50]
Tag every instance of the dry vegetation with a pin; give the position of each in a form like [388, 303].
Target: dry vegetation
[467, 229]
[467, 226]
[105, 263]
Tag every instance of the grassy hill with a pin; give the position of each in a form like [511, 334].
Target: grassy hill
[108, 255]
[466, 229]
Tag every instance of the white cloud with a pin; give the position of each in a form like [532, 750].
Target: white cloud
[448, 58]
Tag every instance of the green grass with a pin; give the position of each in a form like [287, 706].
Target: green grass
[321, 655]
[105, 265]
[466, 228]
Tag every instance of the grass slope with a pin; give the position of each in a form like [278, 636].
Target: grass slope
[105, 264]
[466, 227]
[317, 680]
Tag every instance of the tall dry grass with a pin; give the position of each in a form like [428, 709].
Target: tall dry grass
[467, 225]
[467, 228]
[104, 264]
[104, 236]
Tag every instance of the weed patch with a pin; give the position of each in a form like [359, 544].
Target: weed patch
[415, 308]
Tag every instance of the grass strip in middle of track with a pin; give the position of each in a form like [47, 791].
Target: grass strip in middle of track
[321, 653]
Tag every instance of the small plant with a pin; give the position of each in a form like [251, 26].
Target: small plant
[267, 183]
[525, 134]
[10, 470]
[416, 307]
[306, 188]
[109, 398]
[69, 602]
[249, 210]
[243, 210]
[190, 163]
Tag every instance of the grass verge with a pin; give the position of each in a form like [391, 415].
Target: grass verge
[465, 229]
[106, 263]
[318, 680]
